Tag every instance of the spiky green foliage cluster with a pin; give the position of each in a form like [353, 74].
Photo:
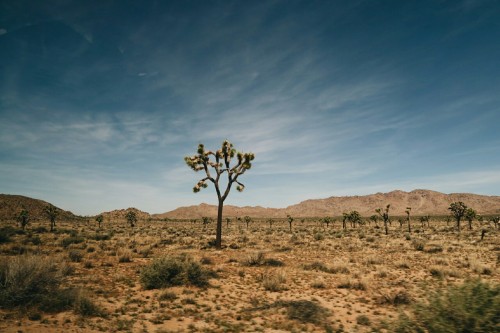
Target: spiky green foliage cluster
[384, 213]
[52, 212]
[23, 218]
[219, 160]
[458, 209]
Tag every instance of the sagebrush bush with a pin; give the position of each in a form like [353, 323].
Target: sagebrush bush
[174, 271]
[473, 306]
[26, 280]
[304, 311]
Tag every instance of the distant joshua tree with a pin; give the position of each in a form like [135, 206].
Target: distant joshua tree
[495, 220]
[327, 220]
[52, 212]
[290, 221]
[458, 210]
[345, 218]
[131, 218]
[228, 220]
[23, 218]
[99, 218]
[374, 219]
[470, 215]
[202, 162]
[247, 220]
[354, 217]
[385, 216]
[424, 219]
[408, 212]
[270, 221]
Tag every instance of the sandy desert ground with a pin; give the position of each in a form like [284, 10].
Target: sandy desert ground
[266, 279]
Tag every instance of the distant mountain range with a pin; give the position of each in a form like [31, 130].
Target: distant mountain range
[422, 202]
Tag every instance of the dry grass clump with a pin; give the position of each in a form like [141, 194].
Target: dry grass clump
[174, 271]
[274, 281]
[259, 259]
[124, 255]
[352, 284]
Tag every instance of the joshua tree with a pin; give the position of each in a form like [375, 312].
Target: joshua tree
[408, 211]
[247, 219]
[206, 220]
[423, 219]
[270, 221]
[495, 220]
[23, 218]
[290, 221]
[202, 162]
[228, 220]
[51, 212]
[374, 218]
[458, 210]
[470, 215]
[327, 220]
[354, 217]
[99, 218]
[131, 218]
[345, 217]
[385, 216]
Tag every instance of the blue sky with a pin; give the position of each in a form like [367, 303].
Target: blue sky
[101, 100]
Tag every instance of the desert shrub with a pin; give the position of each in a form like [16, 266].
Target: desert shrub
[6, 233]
[473, 306]
[167, 296]
[318, 284]
[305, 311]
[255, 259]
[101, 237]
[124, 255]
[434, 248]
[418, 244]
[363, 320]
[319, 236]
[84, 306]
[400, 297]
[27, 280]
[72, 240]
[316, 266]
[75, 255]
[274, 281]
[40, 230]
[352, 284]
[174, 271]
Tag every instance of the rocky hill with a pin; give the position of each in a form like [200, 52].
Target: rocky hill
[11, 206]
[422, 202]
[119, 214]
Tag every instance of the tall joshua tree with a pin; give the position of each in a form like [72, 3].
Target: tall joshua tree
[458, 210]
[51, 212]
[385, 216]
[203, 161]
[408, 212]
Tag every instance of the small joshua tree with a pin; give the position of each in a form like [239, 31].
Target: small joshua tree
[495, 220]
[345, 218]
[290, 221]
[228, 220]
[247, 219]
[470, 215]
[222, 164]
[99, 218]
[408, 212]
[270, 221]
[327, 220]
[52, 212]
[23, 218]
[385, 216]
[374, 219]
[131, 218]
[458, 210]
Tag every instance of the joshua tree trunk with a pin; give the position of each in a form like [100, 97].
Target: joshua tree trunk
[218, 236]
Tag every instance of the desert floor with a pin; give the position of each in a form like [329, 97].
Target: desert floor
[269, 279]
